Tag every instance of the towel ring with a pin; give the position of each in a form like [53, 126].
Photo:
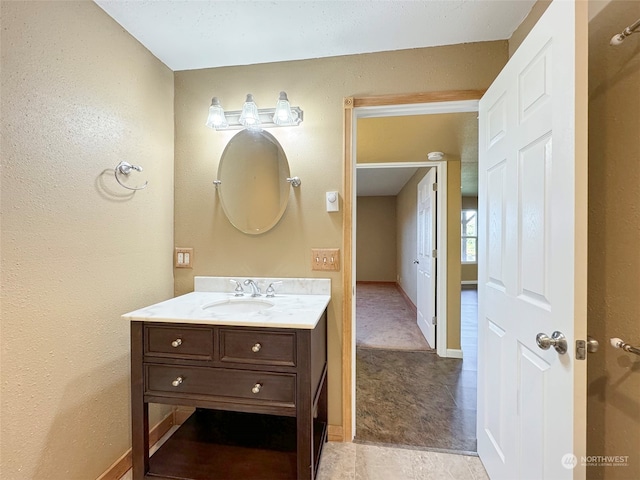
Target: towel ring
[125, 168]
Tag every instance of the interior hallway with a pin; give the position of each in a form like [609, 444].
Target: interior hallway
[415, 398]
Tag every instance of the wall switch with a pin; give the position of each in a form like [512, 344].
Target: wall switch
[183, 258]
[325, 259]
[333, 202]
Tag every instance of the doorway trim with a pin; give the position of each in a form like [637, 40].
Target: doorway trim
[455, 101]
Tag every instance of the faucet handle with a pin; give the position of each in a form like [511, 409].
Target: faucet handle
[239, 291]
[271, 291]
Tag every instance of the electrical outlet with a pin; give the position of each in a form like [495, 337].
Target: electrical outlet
[183, 258]
[325, 259]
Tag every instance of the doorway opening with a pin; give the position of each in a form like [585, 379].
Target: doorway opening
[373, 107]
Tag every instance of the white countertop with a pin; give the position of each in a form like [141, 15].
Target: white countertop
[294, 309]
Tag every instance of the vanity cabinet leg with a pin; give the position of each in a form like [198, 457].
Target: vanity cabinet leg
[304, 409]
[305, 444]
[139, 409]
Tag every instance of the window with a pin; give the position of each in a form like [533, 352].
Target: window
[469, 229]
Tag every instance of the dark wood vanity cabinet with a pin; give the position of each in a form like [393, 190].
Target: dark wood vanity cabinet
[260, 396]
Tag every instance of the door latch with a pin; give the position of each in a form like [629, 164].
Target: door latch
[582, 347]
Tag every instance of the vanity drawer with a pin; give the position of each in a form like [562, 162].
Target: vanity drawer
[225, 384]
[194, 343]
[258, 347]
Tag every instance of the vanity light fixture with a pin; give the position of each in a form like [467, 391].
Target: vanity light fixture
[216, 118]
[249, 116]
[283, 115]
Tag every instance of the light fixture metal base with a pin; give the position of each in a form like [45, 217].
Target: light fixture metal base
[266, 119]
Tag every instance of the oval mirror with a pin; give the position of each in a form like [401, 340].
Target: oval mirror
[253, 172]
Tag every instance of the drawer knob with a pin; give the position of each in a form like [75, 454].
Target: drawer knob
[177, 381]
[256, 388]
[256, 348]
[176, 343]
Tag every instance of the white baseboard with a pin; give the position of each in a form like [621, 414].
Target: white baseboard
[454, 353]
[469, 282]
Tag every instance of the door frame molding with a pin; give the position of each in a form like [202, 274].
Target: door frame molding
[455, 101]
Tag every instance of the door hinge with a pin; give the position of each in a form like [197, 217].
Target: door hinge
[434, 253]
[434, 321]
[435, 187]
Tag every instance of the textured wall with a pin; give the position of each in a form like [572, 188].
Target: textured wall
[315, 153]
[613, 408]
[527, 24]
[78, 95]
[376, 239]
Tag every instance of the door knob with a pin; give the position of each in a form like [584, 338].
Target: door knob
[557, 341]
[415, 261]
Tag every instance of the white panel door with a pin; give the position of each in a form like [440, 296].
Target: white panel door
[426, 228]
[532, 257]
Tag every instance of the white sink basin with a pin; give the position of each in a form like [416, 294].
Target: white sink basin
[238, 305]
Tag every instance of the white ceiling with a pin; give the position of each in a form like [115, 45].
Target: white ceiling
[382, 182]
[193, 34]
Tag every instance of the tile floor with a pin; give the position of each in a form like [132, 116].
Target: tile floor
[353, 461]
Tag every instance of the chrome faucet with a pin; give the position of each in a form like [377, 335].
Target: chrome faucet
[255, 290]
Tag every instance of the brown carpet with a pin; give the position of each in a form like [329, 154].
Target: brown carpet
[385, 320]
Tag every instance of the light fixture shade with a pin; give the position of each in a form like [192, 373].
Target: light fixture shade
[216, 118]
[249, 116]
[283, 114]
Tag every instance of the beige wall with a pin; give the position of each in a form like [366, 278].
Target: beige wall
[454, 202]
[315, 152]
[376, 239]
[407, 244]
[78, 96]
[613, 408]
[469, 272]
[527, 24]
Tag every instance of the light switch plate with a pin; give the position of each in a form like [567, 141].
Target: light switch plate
[325, 259]
[183, 257]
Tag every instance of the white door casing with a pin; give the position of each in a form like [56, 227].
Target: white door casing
[532, 258]
[426, 266]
